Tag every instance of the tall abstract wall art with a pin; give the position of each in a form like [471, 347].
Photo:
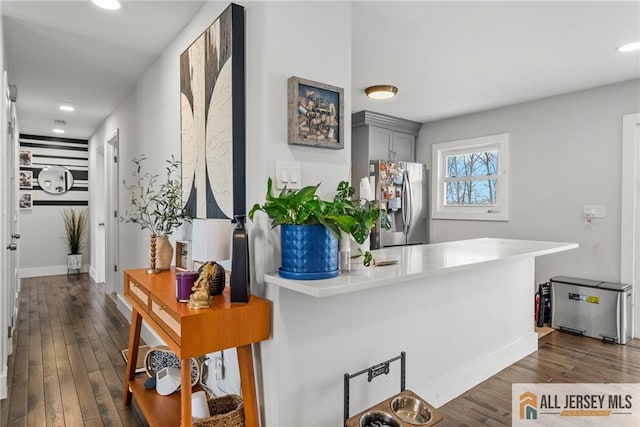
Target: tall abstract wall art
[212, 112]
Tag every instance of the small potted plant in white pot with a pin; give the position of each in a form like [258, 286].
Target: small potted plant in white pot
[75, 226]
[156, 206]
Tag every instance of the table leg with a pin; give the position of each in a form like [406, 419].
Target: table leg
[132, 354]
[185, 392]
[248, 385]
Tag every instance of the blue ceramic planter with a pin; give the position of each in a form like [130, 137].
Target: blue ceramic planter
[308, 252]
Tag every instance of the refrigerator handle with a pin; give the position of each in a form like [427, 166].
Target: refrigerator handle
[409, 203]
[404, 204]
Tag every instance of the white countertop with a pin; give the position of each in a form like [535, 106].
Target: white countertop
[421, 261]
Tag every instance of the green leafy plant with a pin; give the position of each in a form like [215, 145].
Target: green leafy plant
[75, 226]
[304, 207]
[155, 205]
[364, 212]
[367, 257]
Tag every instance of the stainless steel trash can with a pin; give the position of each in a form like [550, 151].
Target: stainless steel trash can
[592, 308]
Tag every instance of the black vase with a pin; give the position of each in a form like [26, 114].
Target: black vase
[240, 286]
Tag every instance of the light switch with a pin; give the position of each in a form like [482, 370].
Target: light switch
[288, 175]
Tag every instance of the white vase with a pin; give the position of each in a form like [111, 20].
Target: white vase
[74, 262]
[344, 252]
[164, 253]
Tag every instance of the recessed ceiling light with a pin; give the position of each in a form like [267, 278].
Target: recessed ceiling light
[381, 91]
[107, 4]
[56, 130]
[67, 107]
[629, 47]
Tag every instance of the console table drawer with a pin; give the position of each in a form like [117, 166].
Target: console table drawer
[138, 293]
[167, 319]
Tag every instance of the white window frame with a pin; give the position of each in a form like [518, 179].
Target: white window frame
[440, 151]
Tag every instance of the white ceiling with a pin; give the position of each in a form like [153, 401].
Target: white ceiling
[447, 58]
[75, 52]
[452, 58]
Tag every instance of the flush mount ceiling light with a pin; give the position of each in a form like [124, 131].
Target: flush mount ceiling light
[56, 130]
[381, 91]
[67, 107]
[629, 47]
[107, 4]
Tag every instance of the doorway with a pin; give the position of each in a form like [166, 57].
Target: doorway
[630, 221]
[111, 226]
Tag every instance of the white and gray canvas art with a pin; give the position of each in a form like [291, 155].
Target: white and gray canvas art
[207, 122]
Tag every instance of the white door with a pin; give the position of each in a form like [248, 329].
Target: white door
[111, 215]
[14, 221]
[8, 230]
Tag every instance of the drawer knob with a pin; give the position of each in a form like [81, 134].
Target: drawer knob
[163, 307]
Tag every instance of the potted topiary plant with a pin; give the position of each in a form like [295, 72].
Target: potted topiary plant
[75, 225]
[311, 227]
[157, 207]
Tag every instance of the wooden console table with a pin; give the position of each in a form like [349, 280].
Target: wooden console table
[190, 333]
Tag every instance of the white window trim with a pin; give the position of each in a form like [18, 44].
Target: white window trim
[477, 213]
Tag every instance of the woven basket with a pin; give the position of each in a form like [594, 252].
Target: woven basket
[226, 411]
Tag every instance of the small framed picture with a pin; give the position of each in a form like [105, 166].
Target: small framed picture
[25, 157]
[26, 180]
[26, 201]
[315, 114]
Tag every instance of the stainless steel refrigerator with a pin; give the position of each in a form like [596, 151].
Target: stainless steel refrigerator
[401, 188]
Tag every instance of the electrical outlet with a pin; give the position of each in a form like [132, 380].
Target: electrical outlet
[594, 211]
[218, 364]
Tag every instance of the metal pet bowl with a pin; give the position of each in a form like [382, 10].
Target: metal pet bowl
[411, 410]
[378, 419]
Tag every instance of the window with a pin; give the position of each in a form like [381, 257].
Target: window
[471, 179]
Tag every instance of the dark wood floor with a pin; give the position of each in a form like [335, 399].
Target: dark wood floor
[67, 370]
[561, 358]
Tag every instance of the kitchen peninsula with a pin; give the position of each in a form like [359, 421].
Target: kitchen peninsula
[461, 311]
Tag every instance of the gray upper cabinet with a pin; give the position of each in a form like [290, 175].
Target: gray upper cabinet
[377, 136]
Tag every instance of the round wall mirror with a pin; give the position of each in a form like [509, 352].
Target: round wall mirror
[55, 179]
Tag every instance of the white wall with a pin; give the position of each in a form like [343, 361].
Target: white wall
[565, 152]
[281, 44]
[43, 247]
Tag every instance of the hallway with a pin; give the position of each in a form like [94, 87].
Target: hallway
[67, 369]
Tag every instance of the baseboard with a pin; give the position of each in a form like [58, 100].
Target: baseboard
[453, 384]
[3, 383]
[50, 270]
[148, 335]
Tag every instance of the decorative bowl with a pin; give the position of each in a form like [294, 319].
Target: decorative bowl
[411, 410]
[378, 419]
